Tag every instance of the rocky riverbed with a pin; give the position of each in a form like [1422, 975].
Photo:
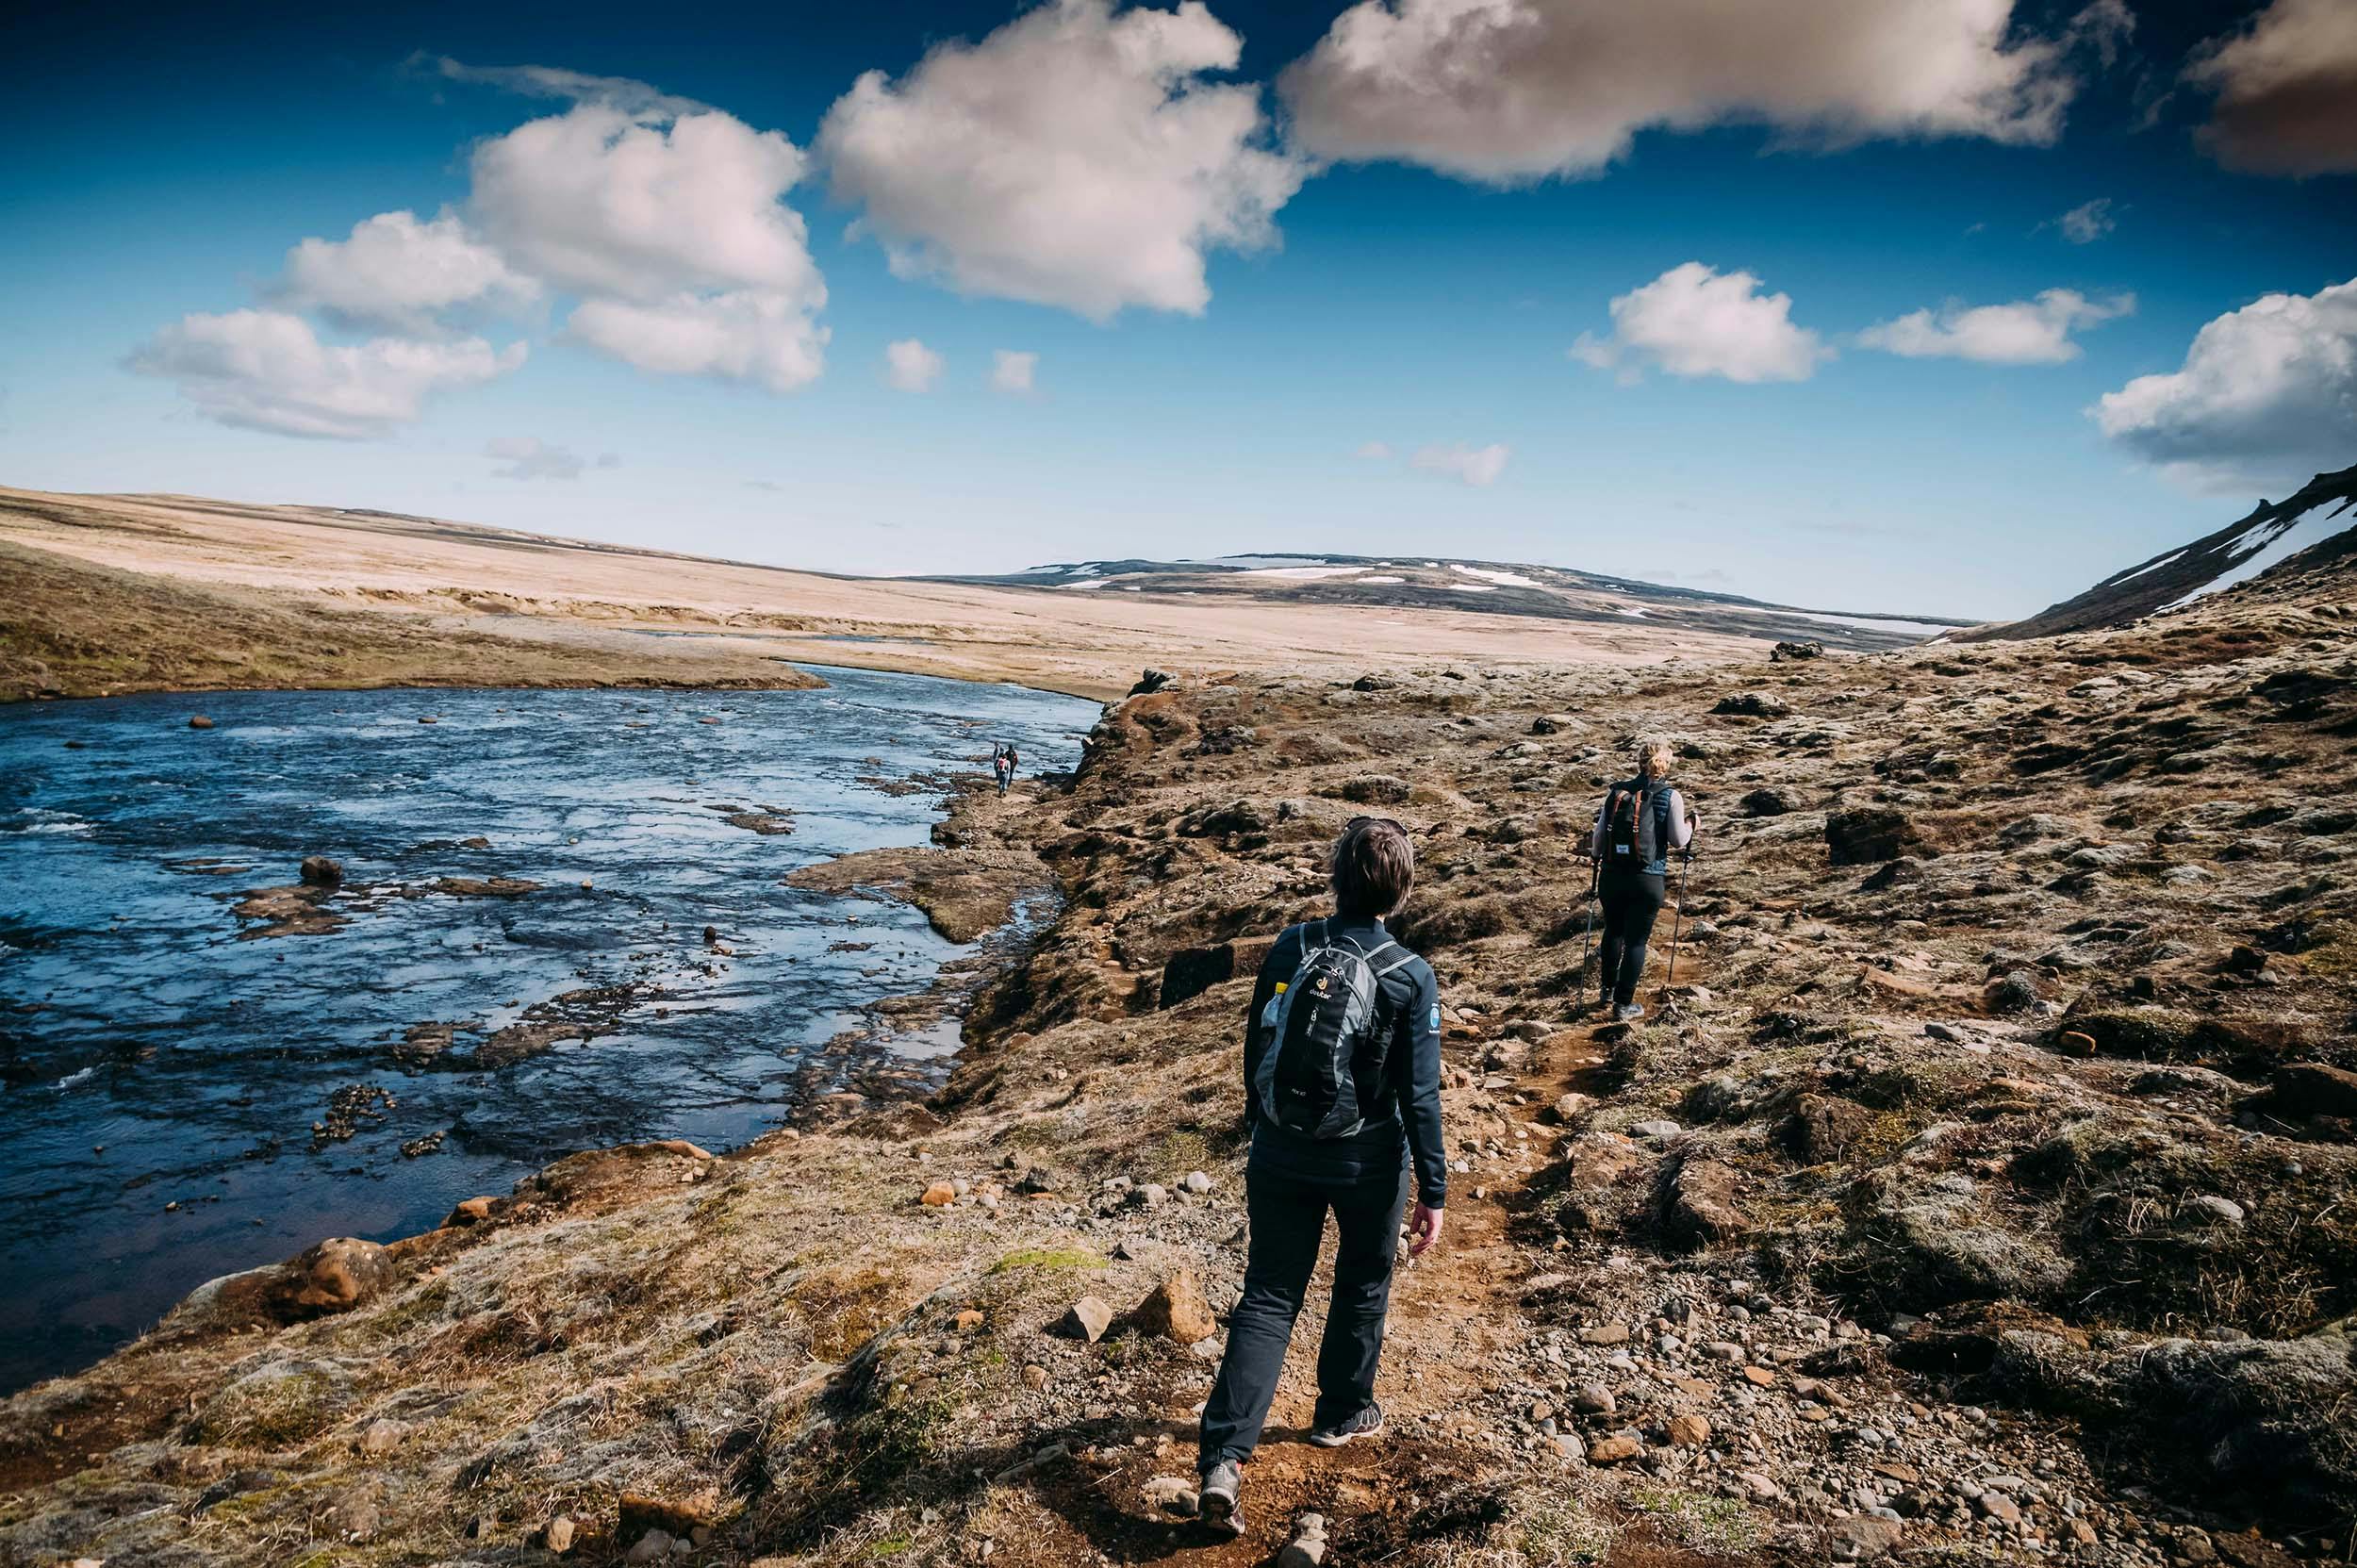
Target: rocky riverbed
[1983, 1191]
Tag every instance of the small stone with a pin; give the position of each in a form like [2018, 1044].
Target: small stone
[383, 1435]
[969, 1320]
[198, 721]
[557, 1535]
[2073, 1043]
[939, 1195]
[1088, 1318]
[649, 1547]
[1605, 1333]
[1759, 1376]
[1613, 1450]
[1593, 1399]
[2223, 1209]
[1035, 1376]
[1656, 1130]
[1175, 1309]
[1863, 1537]
[1997, 1505]
[1196, 1182]
[1152, 1195]
[320, 871]
[1568, 1107]
[1688, 1431]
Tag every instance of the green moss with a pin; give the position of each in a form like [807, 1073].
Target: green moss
[1046, 1257]
[1704, 1523]
[890, 1545]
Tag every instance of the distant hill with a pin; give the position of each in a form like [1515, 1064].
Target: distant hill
[1494, 588]
[2277, 536]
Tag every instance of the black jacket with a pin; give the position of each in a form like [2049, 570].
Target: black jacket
[1403, 1111]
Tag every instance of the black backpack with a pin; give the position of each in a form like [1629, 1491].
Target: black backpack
[1632, 827]
[1311, 1030]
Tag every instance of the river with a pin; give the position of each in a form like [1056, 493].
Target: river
[163, 1065]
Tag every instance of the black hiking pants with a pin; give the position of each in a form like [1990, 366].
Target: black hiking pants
[1288, 1216]
[1631, 900]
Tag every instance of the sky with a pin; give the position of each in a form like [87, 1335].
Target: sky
[1942, 306]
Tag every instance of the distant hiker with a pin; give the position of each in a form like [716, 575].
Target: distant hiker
[1003, 761]
[1341, 1071]
[1641, 821]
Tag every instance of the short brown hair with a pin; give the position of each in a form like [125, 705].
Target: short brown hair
[1374, 865]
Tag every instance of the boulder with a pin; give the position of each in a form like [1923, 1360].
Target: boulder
[2312, 1089]
[320, 871]
[336, 1276]
[1087, 1318]
[1765, 802]
[1820, 1129]
[1868, 835]
[1703, 1210]
[1377, 789]
[1753, 705]
[1177, 1310]
[1152, 681]
[1811, 649]
[939, 1195]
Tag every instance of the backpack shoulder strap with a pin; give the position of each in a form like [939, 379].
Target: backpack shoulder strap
[1402, 962]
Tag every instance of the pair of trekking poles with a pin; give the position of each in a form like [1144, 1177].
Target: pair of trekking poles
[1677, 921]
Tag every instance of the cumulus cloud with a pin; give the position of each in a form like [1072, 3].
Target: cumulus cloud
[1073, 157]
[397, 270]
[1510, 90]
[675, 235]
[2267, 397]
[1695, 321]
[266, 369]
[2283, 86]
[530, 458]
[911, 367]
[1374, 451]
[1475, 466]
[2027, 332]
[745, 335]
[1012, 371]
[2088, 221]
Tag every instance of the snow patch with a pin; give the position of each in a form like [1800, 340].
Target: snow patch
[2265, 547]
[1509, 579]
[2132, 576]
[1301, 574]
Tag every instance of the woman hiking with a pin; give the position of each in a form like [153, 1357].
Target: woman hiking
[1641, 820]
[1341, 1069]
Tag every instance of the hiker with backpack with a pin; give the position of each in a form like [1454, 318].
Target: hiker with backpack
[1643, 819]
[1002, 760]
[1341, 1069]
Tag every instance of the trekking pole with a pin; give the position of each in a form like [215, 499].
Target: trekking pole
[1588, 934]
[1677, 925]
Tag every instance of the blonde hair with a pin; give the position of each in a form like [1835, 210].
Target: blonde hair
[1652, 757]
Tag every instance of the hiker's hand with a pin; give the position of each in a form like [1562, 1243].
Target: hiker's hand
[1424, 1228]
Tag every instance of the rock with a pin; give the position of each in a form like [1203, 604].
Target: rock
[1308, 1548]
[1196, 1182]
[1754, 704]
[1088, 1318]
[939, 1195]
[1171, 1494]
[1765, 802]
[2012, 993]
[1688, 1431]
[383, 1435]
[1862, 1537]
[1152, 681]
[1377, 789]
[1820, 1129]
[1568, 1107]
[1035, 1376]
[320, 871]
[1656, 1130]
[650, 1547]
[470, 1211]
[1997, 1505]
[1152, 1195]
[2245, 960]
[1605, 1334]
[1191, 971]
[1375, 683]
[198, 721]
[2223, 1210]
[2305, 1089]
[1866, 835]
[1810, 649]
[357, 1518]
[2072, 1043]
[968, 1321]
[1175, 1309]
[1704, 1210]
[1613, 1450]
[557, 1535]
[1593, 1399]
[338, 1274]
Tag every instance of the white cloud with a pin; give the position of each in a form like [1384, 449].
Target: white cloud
[1694, 321]
[1374, 451]
[1508, 90]
[2088, 221]
[530, 458]
[746, 335]
[676, 237]
[266, 369]
[2285, 87]
[2267, 397]
[1072, 159]
[1475, 466]
[395, 271]
[2027, 332]
[911, 367]
[1014, 372]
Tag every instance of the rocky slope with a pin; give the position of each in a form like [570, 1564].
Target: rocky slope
[1984, 1189]
[2309, 527]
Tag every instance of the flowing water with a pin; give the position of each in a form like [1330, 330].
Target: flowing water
[176, 1088]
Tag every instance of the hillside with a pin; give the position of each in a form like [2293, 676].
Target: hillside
[407, 600]
[1984, 1190]
[2308, 527]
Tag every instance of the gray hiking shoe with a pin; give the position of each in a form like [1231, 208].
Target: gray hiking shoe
[1628, 1011]
[1333, 1434]
[1218, 1506]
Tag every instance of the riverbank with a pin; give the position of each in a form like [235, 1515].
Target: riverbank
[1981, 1191]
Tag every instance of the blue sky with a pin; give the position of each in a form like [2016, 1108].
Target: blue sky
[1307, 316]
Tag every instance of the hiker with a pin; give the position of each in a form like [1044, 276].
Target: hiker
[1003, 761]
[1641, 820]
[1341, 1069]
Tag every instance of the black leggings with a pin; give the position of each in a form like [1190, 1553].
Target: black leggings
[1631, 900]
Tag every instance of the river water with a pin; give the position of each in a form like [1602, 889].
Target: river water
[162, 1066]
